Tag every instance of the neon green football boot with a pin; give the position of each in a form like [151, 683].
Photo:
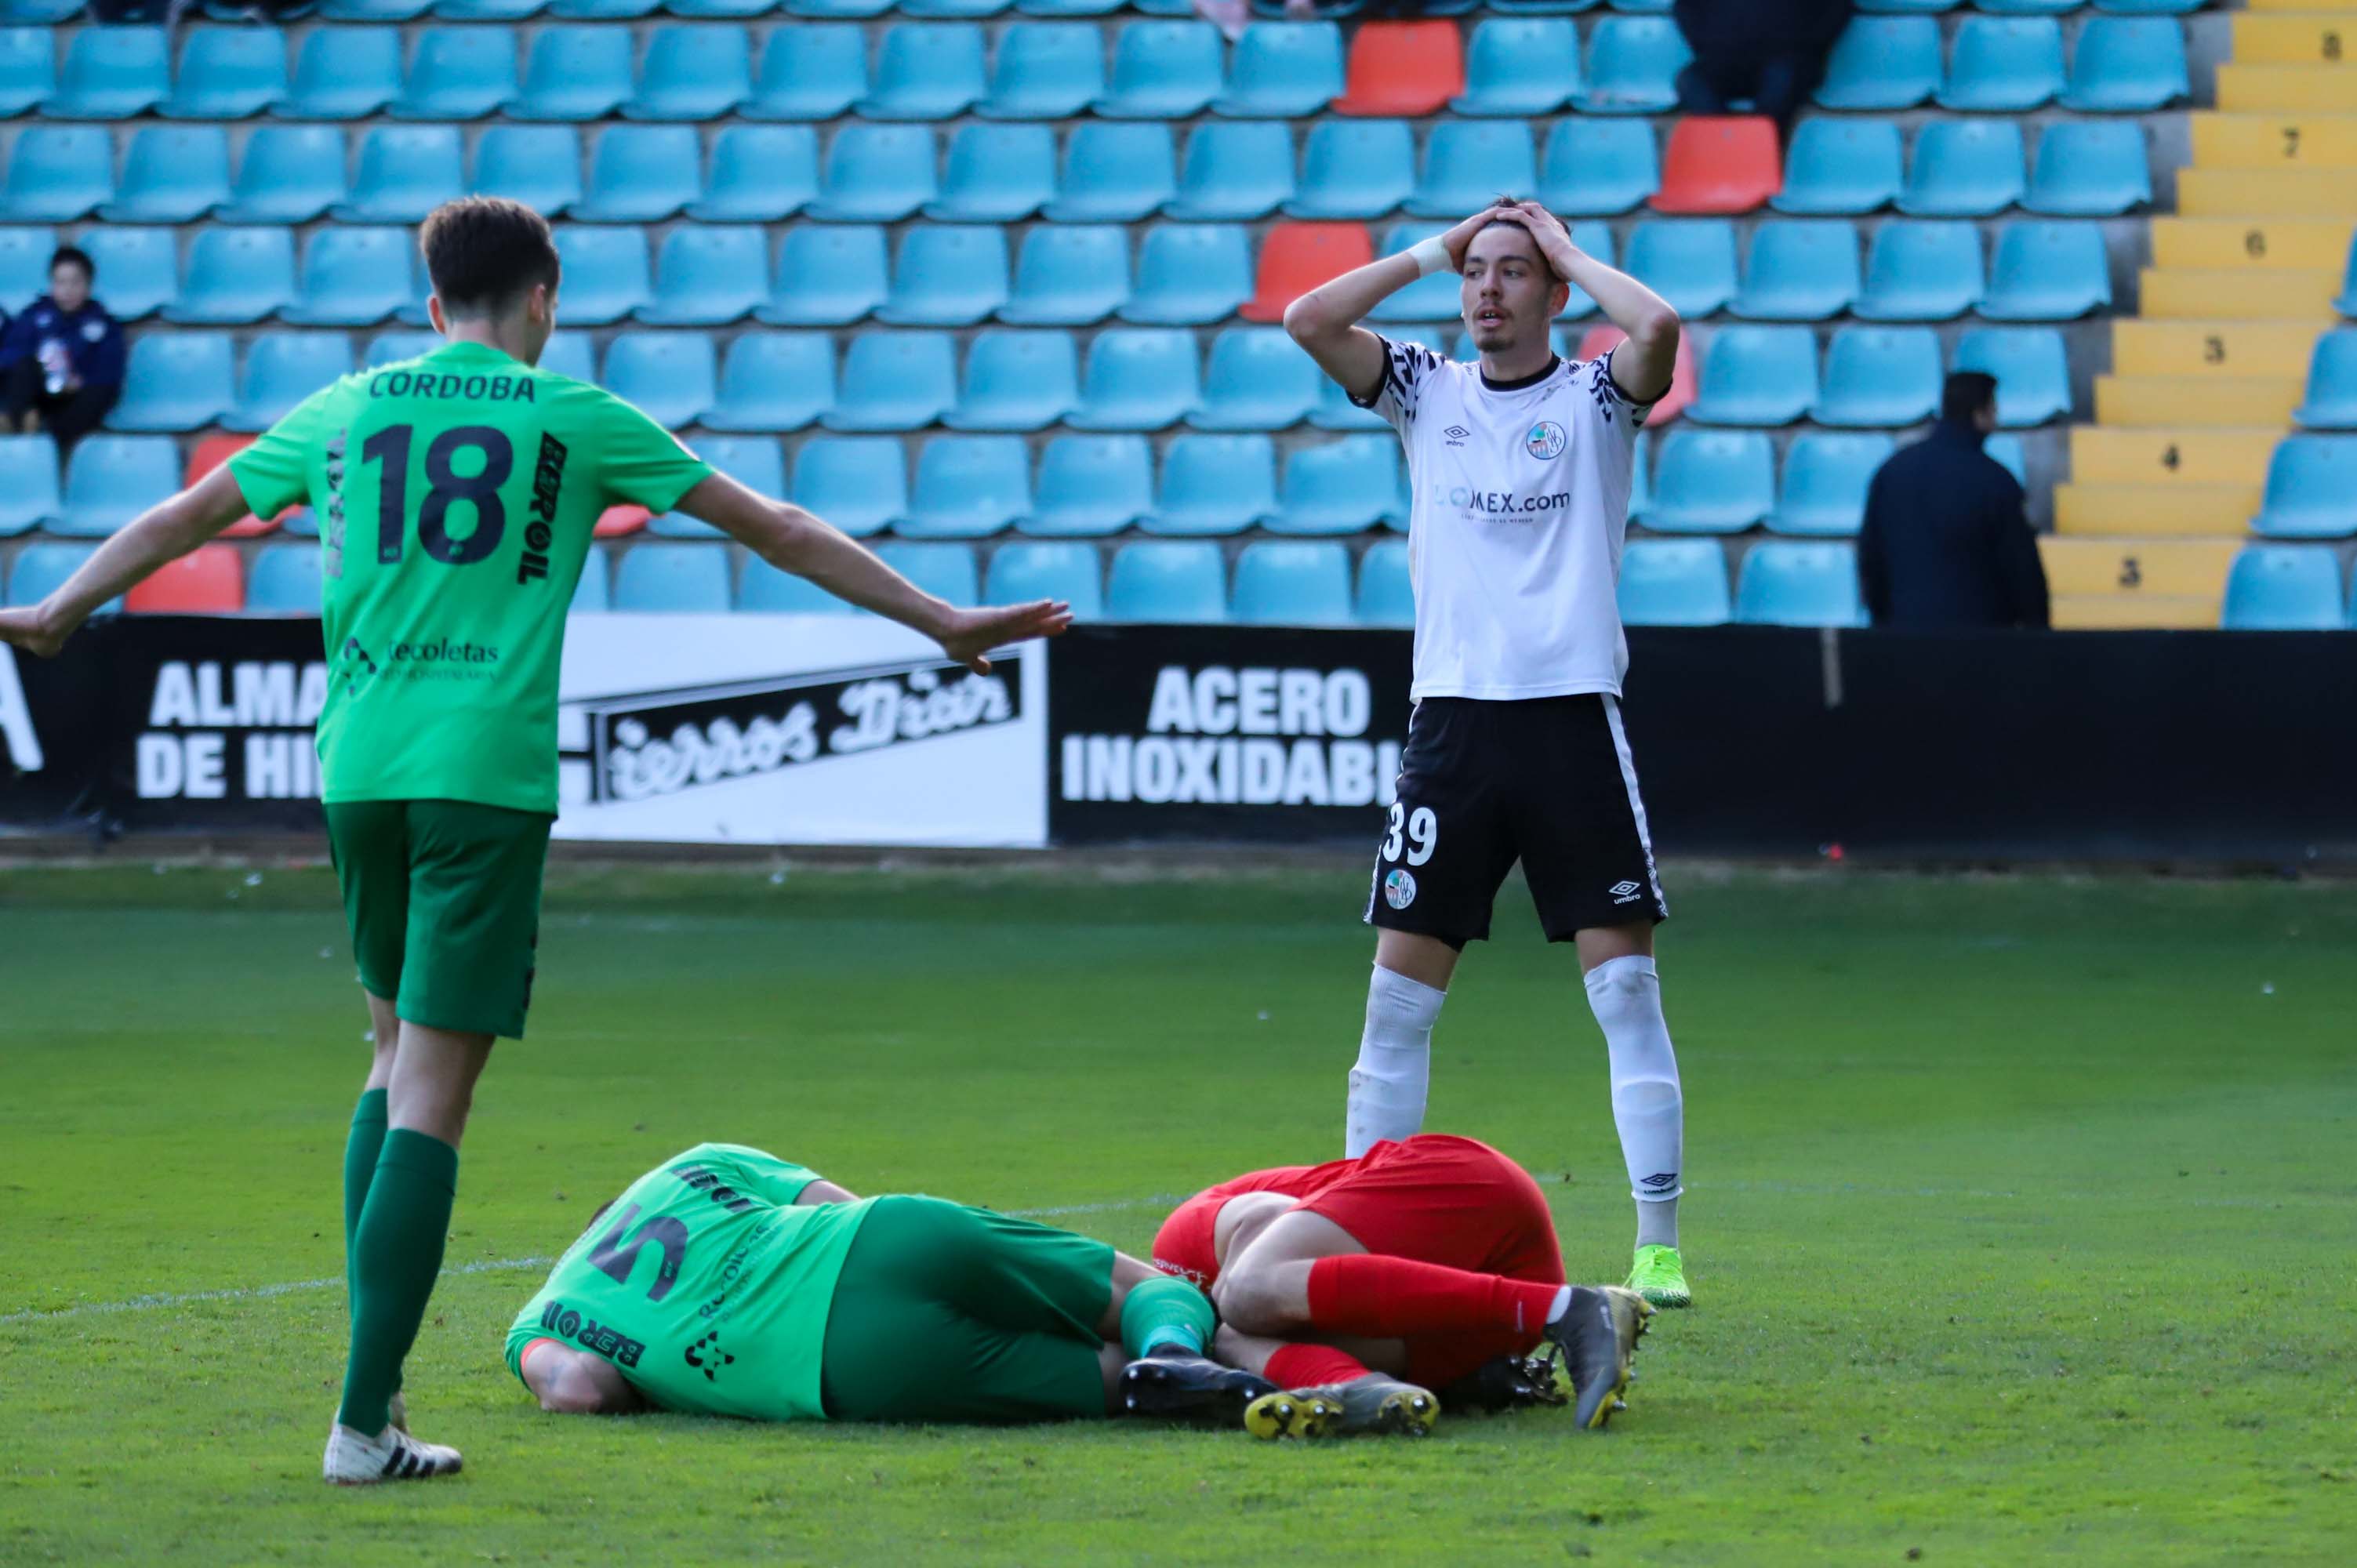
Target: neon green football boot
[1659, 1274]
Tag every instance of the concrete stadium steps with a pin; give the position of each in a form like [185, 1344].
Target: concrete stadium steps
[2213, 351]
[2166, 456]
[2137, 612]
[2239, 192]
[2264, 243]
[2166, 568]
[2274, 141]
[2117, 509]
[2214, 400]
[2309, 35]
[2239, 293]
[2278, 89]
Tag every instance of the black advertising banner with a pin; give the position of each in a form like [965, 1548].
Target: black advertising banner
[55, 720]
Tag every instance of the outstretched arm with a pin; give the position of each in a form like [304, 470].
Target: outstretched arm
[1641, 366]
[1324, 321]
[160, 536]
[573, 1382]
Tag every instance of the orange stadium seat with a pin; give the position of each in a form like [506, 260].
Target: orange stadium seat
[1297, 257]
[1720, 163]
[616, 522]
[211, 454]
[1682, 381]
[210, 580]
[1403, 68]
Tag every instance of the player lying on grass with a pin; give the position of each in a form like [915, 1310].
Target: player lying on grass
[1363, 1284]
[727, 1281]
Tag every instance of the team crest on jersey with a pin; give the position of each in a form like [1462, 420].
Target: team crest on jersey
[1399, 887]
[1546, 440]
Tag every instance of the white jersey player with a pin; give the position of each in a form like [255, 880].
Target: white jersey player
[1519, 468]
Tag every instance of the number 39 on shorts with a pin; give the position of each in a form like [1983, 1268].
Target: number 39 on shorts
[1422, 831]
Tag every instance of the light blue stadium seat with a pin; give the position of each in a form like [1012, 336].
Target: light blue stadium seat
[1789, 582]
[875, 174]
[1069, 275]
[2311, 490]
[406, 172]
[707, 275]
[1882, 63]
[1519, 67]
[1386, 596]
[665, 578]
[774, 380]
[1045, 71]
[175, 381]
[138, 269]
[290, 174]
[1114, 172]
[487, 10]
[576, 72]
[343, 73]
[281, 369]
[1468, 162]
[953, 10]
[1233, 172]
[1257, 379]
[827, 276]
[1880, 376]
[29, 68]
[2006, 450]
[2048, 272]
[2004, 65]
[1675, 582]
[1334, 411]
[284, 580]
[2128, 65]
[1542, 7]
[25, 261]
[1214, 485]
[601, 10]
[859, 483]
[753, 461]
[766, 590]
[386, 348]
[894, 380]
[692, 74]
[173, 174]
[1436, 296]
[761, 174]
[1017, 380]
[1064, 570]
[1181, 581]
[28, 484]
[539, 165]
[2150, 8]
[1341, 487]
[567, 354]
[1138, 378]
[929, 70]
[227, 73]
[1191, 274]
[374, 10]
[235, 275]
[1632, 66]
[1090, 486]
[39, 570]
[1689, 262]
[58, 173]
[1927, 270]
[111, 73]
[1963, 169]
[1641, 477]
[1597, 167]
[1799, 270]
[948, 274]
[968, 486]
[1163, 71]
[2029, 7]
[1841, 167]
[110, 479]
[812, 71]
[641, 174]
[2284, 587]
[458, 73]
[670, 375]
[1293, 582]
[1283, 71]
[997, 174]
[1354, 168]
[1712, 481]
[2032, 372]
[1068, 7]
[606, 275]
[2090, 168]
[944, 570]
[2331, 384]
[593, 591]
[1825, 476]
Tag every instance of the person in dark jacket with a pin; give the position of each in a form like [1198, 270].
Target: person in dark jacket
[1946, 542]
[61, 360]
[1770, 53]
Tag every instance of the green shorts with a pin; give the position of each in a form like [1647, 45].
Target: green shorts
[946, 1312]
[444, 901]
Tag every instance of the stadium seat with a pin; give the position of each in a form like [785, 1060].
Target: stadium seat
[290, 174]
[386, 348]
[1341, 487]
[2033, 374]
[1825, 476]
[1403, 69]
[1720, 163]
[285, 581]
[997, 174]
[859, 483]
[894, 380]
[1799, 583]
[1712, 481]
[761, 174]
[812, 71]
[344, 73]
[1294, 582]
[1386, 596]
[1839, 166]
[567, 354]
[2331, 384]
[1882, 63]
[1045, 71]
[946, 570]
[508, 10]
[1296, 258]
[827, 276]
[670, 375]
[539, 165]
[58, 173]
[140, 266]
[1878, 378]
[1675, 582]
[1799, 270]
[1163, 71]
[458, 73]
[406, 172]
[1114, 172]
[1467, 163]
[110, 479]
[774, 380]
[28, 68]
[929, 70]
[2284, 587]
[692, 74]
[875, 174]
[281, 369]
[1690, 263]
[1234, 172]
[2004, 65]
[707, 275]
[753, 461]
[1069, 275]
[766, 590]
[1283, 71]
[1632, 66]
[1519, 67]
[2048, 272]
[236, 276]
[375, 10]
[2090, 168]
[1963, 169]
[38, 570]
[953, 10]
[593, 591]
[209, 580]
[1214, 485]
[28, 483]
[2310, 492]
[641, 174]
[1354, 168]
[947, 276]
[1059, 569]
[1257, 379]
[1922, 272]
[579, 72]
[209, 453]
[672, 579]
[1190, 275]
[1641, 476]
[2150, 8]
[1597, 167]
[24, 260]
[1183, 583]
[1138, 378]
[968, 486]
[1090, 486]
[606, 275]
[111, 73]
[173, 174]
[1017, 380]
[2128, 65]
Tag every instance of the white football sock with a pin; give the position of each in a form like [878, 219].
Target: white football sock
[1647, 1104]
[1394, 1066]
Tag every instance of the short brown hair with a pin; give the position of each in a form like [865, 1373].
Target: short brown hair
[484, 252]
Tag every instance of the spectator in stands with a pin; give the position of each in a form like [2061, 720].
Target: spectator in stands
[1946, 542]
[1768, 53]
[61, 360]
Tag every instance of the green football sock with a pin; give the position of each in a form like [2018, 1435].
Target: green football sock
[1164, 1312]
[362, 1147]
[396, 1253]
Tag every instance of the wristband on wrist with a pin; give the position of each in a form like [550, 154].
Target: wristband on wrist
[1431, 256]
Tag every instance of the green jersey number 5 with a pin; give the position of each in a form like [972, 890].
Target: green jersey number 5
[389, 448]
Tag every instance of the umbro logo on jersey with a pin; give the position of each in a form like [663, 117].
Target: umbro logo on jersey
[1457, 435]
[1624, 892]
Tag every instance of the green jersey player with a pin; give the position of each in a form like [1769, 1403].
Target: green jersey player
[456, 494]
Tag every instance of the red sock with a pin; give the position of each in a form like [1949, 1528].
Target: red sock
[1392, 1297]
[1312, 1367]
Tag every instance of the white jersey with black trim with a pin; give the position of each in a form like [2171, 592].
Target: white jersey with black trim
[1519, 502]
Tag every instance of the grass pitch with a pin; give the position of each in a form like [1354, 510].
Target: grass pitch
[2021, 1215]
